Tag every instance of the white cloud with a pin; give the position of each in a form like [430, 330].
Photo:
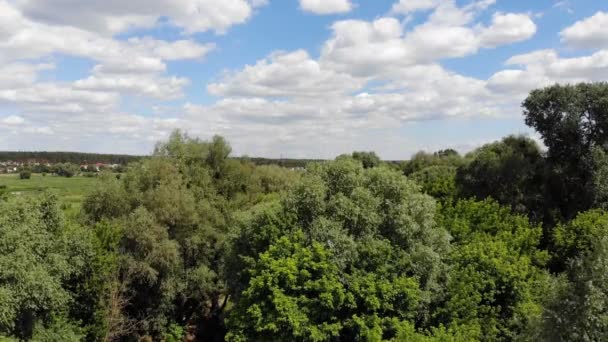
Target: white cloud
[366, 48]
[24, 38]
[292, 74]
[545, 67]
[370, 76]
[69, 114]
[50, 93]
[326, 6]
[409, 6]
[170, 51]
[136, 66]
[589, 33]
[12, 120]
[38, 130]
[164, 88]
[19, 74]
[564, 5]
[113, 16]
[507, 28]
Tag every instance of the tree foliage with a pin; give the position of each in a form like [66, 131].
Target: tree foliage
[507, 243]
[510, 171]
[39, 255]
[573, 122]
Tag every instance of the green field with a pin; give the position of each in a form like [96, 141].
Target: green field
[70, 191]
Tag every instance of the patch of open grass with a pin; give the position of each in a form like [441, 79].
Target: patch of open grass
[71, 191]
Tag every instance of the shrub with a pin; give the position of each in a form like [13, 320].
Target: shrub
[25, 174]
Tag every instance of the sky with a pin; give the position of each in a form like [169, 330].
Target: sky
[286, 78]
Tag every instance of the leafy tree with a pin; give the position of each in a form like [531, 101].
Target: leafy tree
[510, 171]
[107, 200]
[294, 292]
[66, 170]
[25, 174]
[375, 227]
[3, 192]
[422, 160]
[438, 181]
[39, 255]
[149, 260]
[273, 178]
[191, 191]
[578, 237]
[575, 309]
[369, 159]
[496, 279]
[572, 120]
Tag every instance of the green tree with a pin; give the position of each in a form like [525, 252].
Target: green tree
[191, 191]
[573, 121]
[149, 260]
[39, 255]
[25, 174]
[422, 160]
[575, 309]
[438, 181]
[66, 170]
[368, 159]
[294, 292]
[378, 231]
[496, 279]
[578, 237]
[510, 171]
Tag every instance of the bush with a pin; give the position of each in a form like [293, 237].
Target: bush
[25, 174]
[3, 192]
[66, 170]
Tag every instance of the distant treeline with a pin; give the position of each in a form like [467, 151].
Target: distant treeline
[123, 159]
[288, 163]
[68, 157]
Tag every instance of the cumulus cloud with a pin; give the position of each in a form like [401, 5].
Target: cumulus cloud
[326, 6]
[113, 17]
[12, 120]
[41, 93]
[588, 33]
[282, 74]
[68, 114]
[136, 66]
[164, 88]
[450, 32]
[409, 6]
[171, 50]
[545, 67]
[507, 28]
[20, 74]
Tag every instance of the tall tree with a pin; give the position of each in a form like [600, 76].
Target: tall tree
[510, 171]
[573, 121]
[39, 255]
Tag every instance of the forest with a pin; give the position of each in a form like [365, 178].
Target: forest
[78, 158]
[506, 243]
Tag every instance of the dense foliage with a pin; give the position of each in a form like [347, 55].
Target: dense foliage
[506, 243]
[66, 157]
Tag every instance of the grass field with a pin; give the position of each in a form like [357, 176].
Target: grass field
[70, 191]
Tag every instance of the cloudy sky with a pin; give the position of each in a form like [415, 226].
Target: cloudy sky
[291, 78]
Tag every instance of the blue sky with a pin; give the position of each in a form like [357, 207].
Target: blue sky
[291, 78]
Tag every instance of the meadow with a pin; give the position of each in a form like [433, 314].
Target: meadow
[70, 191]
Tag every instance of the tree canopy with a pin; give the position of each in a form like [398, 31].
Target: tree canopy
[505, 243]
